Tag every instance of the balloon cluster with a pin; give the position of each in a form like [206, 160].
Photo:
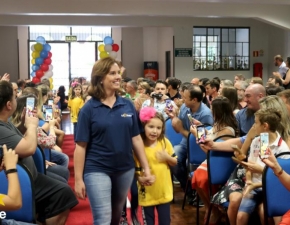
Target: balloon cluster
[108, 49]
[41, 61]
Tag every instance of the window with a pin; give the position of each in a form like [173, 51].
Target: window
[219, 48]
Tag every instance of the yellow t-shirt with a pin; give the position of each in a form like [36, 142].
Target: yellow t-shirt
[75, 105]
[161, 191]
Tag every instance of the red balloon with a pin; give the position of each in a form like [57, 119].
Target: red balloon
[115, 47]
[49, 55]
[44, 67]
[39, 73]
[47, 61]
[35, 80]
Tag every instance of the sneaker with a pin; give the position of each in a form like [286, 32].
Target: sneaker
[200, 203]
[175, 181]
[124, 221]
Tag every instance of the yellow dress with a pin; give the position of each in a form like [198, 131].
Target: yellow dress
[75, 105]
[161, 191]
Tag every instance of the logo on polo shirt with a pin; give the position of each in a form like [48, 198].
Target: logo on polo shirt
[126, 115]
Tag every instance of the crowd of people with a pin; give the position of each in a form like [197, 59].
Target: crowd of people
[120, 143]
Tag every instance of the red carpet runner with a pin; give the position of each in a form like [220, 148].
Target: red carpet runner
[81, 214]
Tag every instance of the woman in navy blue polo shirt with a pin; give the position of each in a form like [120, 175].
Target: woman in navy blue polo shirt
[106, 135]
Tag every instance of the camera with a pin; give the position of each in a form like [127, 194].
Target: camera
[158, 96]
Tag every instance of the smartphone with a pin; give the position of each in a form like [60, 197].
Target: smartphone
[48, 115]
[201, 134]
[50, 102]
[30, 106]
[264, 143]
[1, 154]
[190, 119]
[169, 105]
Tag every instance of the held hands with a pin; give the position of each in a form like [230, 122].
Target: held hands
[80, 189]
[146, 178]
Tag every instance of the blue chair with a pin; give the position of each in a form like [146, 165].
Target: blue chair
[170, 134]
[219, 168]
[195, 156]
[39, 160]
[276, 196]
[47, 154]
[27, 211]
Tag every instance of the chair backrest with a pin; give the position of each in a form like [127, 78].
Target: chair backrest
[276, 196]
[27, 211]
[195, 154]
[39, 160]
[47, 154]
[171, 135]
[219, 165]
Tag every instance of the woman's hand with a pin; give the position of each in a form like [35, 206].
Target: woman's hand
[253, 167]
[248, 188]
[272, 162]
[193, 130]
[80, 189]
[146, 180]
[239, 154]
[47, 163]
[10, 158]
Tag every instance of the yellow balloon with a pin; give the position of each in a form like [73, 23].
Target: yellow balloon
[101, 48]
[32, 61]
[50, 80]
[103, 54]
[38, 47]
[35, 54]
[51, 86]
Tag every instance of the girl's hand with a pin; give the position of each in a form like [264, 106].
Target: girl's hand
[239, 154]
[10, 158]
[162, 156]
[248, 188]
[146, 180]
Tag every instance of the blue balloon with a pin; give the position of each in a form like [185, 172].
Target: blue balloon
[35, 67]
[38, 61]
[47, 47]
[43, 54]
[32, 74]
[108, 40]
[40, 40]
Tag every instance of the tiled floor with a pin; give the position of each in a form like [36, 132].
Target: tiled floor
[178, 216]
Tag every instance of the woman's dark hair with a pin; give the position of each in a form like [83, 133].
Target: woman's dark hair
[274, 90]
[61, 89]
[223, 114]
[6, 93]
[231, 94]
[204, 99]
[100, 69]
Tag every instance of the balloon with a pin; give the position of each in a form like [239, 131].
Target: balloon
[47, 47]
[38, 61]
[50, 80]
[101, 48]
[49, 55]
[108, 48]
[47, 61]
[50, 67]
[115, 47]
[35, 80]
[32, 74]
[39, 73]
[51, 86]
[40, 40]
[32, 47]
[38, 47]
[113, 54]
[44, 67]
[35, 68]
[43, 54]
[48, 74]
[35, 54]
[103, 55]
[108, 40]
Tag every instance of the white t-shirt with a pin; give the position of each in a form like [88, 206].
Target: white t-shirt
[278, 146]
[159, 106]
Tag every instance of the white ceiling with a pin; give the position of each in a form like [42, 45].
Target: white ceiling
[28, 12]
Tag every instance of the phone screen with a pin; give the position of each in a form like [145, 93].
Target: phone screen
[264, 143]
[50, 102]
[169, 105]
[201, 134]
[48, 113]
[29, 106]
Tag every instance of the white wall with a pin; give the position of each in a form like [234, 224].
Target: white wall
[117, 37]
[23, 52]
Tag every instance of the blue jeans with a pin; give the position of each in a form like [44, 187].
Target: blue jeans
[180, 170]
[107, 194]
[13, 222]
[59, 158]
